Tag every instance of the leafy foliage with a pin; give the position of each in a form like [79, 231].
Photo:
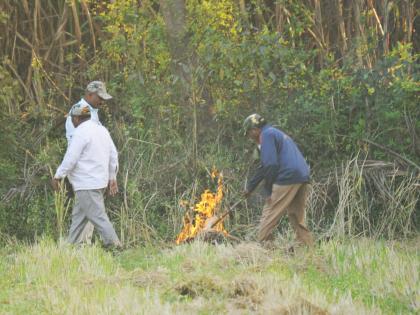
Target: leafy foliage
[239, 60]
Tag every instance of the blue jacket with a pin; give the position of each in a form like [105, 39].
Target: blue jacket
[281, 161]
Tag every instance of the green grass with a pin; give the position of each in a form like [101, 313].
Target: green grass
[359, 276]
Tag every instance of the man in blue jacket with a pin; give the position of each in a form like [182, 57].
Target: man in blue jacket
[286, 176]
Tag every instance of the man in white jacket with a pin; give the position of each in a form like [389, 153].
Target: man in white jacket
[91, 165]
[95, 96]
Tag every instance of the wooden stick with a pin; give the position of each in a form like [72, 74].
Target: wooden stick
[392, 152]
[224, 215]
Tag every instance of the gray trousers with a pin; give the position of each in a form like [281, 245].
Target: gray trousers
[86, 235]
[89, 207]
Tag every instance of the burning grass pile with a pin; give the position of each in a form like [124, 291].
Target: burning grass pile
[203, 220]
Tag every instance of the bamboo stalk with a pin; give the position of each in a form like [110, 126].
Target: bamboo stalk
[77, 29]
[26, 41]
[29, 72]
[317, 39]
[26, 8]
[90, 21]
[59, 33]
[36, 17]
[356, 10]
[14, 42]
[242, 9]
[318, 22]
[341, 26]
[385, 28]
[279, 17]
[409, 20]
[378, 21]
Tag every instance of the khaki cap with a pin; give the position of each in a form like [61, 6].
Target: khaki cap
[99, 88]
[253, 121]
[80, 109]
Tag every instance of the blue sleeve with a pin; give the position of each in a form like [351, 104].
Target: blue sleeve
[267, 173]
[270, 149]
[256, 178]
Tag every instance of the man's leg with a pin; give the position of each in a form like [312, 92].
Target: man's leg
[78, 219]
[281, 197]
[86, 235]
[296, 214]
[95, 212]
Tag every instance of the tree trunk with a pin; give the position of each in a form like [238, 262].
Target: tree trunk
[409, 19]
[385, 26]
[279, 17]
[174, 14]
[319, 32]
[341, 26]
[244, 13]
[359, 32]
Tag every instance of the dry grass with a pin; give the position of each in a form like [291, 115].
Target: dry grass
[365, 198]
[353, 277]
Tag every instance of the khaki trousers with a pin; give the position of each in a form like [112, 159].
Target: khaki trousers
[290, 200]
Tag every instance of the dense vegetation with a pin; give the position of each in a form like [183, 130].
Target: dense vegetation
[341, 77]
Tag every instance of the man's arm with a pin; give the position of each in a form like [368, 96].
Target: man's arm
[74, 150]
[113, 162]
[263, 172]
[69, 129]
[113, 169]
[255, 179]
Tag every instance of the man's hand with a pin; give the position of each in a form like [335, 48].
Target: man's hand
[56, 183]
[113, 187]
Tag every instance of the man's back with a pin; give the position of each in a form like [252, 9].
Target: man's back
[277, 148]
[91, 158]
[69, 125]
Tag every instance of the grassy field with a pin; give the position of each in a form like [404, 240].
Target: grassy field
[359, 276]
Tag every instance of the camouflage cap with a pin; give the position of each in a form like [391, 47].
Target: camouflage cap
[253, 121]
[80, 109]
[99, 88]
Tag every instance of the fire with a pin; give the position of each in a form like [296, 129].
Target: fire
[204, 213]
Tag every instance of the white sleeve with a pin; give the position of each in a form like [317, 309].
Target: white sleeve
[69, 129]
[74, 150]
[113, 161]
[94, 115]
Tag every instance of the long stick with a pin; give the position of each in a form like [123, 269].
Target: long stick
[223, 216]
[392, 152]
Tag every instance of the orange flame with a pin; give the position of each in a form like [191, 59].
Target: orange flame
[205, 213]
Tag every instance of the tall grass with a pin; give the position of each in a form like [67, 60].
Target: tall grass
[365, 198]
[61, 206]
[360, 198]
